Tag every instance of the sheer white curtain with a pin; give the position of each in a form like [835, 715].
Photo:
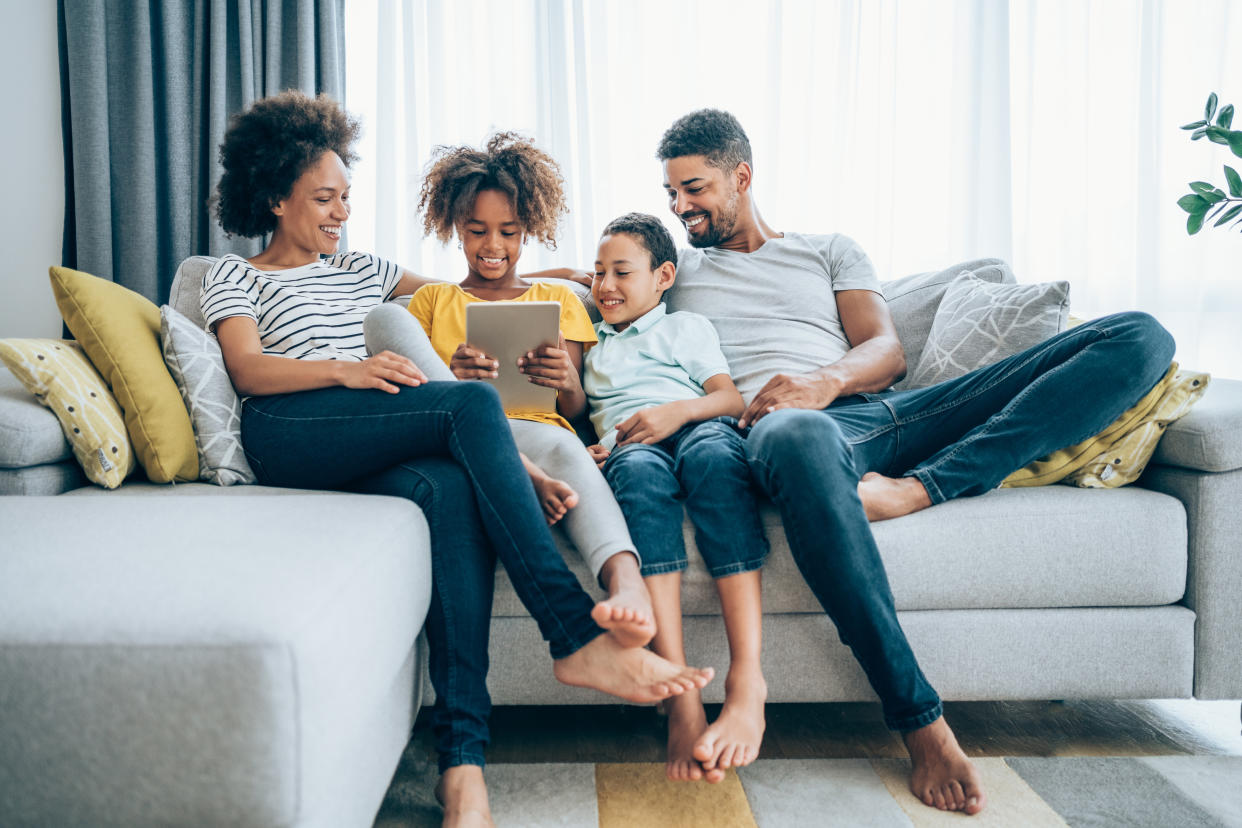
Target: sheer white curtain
[1044, 132]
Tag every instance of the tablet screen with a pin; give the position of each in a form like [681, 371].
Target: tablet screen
[506, 331]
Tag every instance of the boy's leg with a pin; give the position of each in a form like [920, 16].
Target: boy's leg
[390, 327]
[597, 527]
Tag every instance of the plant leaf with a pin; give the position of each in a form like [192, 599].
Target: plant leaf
[1198, 133]
[1195, 125]
[1193, 204]
[1217, 135]
[1194, 223]
[1235, 143]
[1202, 187]
[1210, 109]
[1229, 214]
[1235, 181]
[1225, 118]
[1214, 197]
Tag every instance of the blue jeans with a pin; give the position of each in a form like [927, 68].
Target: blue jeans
[447, 447]
[704, 464]
[960, 437]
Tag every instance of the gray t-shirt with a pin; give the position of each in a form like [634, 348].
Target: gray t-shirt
[775, 309]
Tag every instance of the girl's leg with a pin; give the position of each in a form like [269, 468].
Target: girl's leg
[390, 327]
[597, 527]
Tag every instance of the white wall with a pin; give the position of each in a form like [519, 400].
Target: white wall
[33, 209]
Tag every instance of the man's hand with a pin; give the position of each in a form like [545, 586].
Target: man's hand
[469, 363]
[599, 454]
[550, 367]
[384, 371]
[651, 425]
[789, 391]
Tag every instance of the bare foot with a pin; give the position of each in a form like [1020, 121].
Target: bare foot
[686, 723]
[733, 740]
[463, 793]
[556, 497]
[626, 613]
[632, 673]
[884, 498]
[942, 776]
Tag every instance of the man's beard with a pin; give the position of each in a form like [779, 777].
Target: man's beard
[717, 231]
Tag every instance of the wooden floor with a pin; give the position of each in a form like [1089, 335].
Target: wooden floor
[621, 733]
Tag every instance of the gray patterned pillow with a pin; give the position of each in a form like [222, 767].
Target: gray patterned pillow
[193, 358]
[979, 323]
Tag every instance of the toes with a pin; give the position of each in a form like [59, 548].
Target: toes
[938, 798]
[954, 795]
[705, 751]
[715, 776]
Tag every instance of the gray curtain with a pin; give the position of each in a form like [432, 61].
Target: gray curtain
[147, 89]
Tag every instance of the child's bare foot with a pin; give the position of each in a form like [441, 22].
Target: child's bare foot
[626, 613]
[733, 739]
[884, 498]
[941, 775]
[632, 673]
[463, 793]
[555, 496]
[686, 723]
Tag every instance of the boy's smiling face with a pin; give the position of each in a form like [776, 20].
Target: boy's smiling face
[625, 286]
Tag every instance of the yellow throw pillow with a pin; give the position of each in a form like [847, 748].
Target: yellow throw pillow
[60, 375]
[120, 332]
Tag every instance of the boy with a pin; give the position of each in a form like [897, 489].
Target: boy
[663, 403]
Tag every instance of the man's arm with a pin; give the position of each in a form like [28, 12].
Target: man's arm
[874, 362]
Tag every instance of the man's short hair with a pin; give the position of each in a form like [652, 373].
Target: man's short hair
[648, 231]
[712, 133]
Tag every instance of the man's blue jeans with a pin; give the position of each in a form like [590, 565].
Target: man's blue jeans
[447, 447]
[961, 437]
[705, 465]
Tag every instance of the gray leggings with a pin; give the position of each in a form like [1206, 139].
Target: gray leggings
[596, 525]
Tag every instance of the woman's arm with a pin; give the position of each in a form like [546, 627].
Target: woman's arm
[651, 425]
[256, 373]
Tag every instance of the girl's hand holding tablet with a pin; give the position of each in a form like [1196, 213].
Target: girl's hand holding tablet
[471, 363]
[551, 367]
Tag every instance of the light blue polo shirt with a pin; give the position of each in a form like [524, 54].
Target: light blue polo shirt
[659, 358]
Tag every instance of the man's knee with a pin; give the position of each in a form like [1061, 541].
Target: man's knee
[789, 434]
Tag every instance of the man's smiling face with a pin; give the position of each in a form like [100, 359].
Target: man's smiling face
[703, 197]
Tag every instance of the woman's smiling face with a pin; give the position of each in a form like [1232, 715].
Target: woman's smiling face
[491, 237]
[312, 216]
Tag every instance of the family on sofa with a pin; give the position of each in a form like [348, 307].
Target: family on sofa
[763, 359]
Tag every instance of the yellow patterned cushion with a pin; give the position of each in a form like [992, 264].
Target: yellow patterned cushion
[60, 375]
[1118, 455]
[120, 332]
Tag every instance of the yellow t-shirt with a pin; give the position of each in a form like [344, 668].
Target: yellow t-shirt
[441, 308]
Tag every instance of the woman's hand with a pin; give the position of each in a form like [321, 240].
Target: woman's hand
[471, 363]
[384, 371]
[551, 367]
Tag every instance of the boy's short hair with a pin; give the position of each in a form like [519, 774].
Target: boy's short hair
[712, 133]
[648, 231]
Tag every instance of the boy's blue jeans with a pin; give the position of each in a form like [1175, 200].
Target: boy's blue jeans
[960, 437]
[447, 447]
[705, 464]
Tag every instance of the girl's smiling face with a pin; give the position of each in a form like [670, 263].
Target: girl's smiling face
[492, 238]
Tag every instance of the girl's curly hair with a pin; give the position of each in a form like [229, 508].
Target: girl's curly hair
[268, 147]
[509, 163]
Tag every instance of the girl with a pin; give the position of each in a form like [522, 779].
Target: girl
[322, 413]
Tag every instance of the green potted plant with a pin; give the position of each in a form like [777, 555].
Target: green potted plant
[1207, 201]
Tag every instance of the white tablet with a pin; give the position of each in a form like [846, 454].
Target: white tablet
[508, 330]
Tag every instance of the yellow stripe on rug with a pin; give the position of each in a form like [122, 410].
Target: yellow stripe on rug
[640, 795]
[1010, 801]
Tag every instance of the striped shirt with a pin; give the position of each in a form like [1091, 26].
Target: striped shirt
[309, 312]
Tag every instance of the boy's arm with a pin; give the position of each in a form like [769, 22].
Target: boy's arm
[651, 425]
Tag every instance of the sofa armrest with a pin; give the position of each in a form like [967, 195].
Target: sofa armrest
[1209, 438]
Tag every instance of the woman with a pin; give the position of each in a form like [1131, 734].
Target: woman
[319, 412]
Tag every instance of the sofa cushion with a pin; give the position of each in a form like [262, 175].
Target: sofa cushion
[64, 380]
[30, 434]
[1209, 438]
[43, 479]
[120, 330]
[202, 680]
[187, 288]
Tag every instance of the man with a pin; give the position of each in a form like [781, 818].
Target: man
[812, 348]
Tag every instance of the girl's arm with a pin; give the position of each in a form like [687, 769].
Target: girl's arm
[651, 425]
[256, 373]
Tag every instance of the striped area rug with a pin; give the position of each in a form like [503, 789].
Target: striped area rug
[1160, 792]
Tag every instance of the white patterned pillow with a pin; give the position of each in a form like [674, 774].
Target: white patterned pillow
[979, 323]
[193, 358]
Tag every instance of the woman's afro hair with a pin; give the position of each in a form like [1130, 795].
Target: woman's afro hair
[268, 147]
[509, 163]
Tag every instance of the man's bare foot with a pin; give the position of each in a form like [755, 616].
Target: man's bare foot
[733, 740]
[686, 723]
[632, 673]
[941, 775]
[463, 793]
[626, 613]
[884, 498]
[555, 496]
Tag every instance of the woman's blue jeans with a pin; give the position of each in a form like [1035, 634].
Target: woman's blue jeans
[960, 437]
[447, 447]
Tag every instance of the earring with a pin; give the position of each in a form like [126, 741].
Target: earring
[459, 246]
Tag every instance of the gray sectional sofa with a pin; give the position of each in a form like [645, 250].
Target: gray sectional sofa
[250, 656]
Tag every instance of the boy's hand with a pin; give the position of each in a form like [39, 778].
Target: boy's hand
[651, 425]
[599, 454]
[384, 371]
[550, 367]
[470, 363]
